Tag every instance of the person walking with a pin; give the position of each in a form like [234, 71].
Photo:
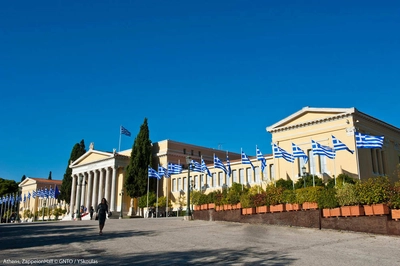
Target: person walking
[91, 212]
[102, 212]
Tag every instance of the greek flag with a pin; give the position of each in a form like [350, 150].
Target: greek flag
[153, 173]
[204, 167]
[163, 171]
[24, 197]
[246, 160]
[281, 153]
[228, 163]
[219, 164]
[124, 131]
[29, 195]
[46, 193]
[34, 194]
[261, 158]
[368, 141]
[174, 168]
[51, 193]
[299, 153]
[338, 145]
[319, 149]
[196, 167]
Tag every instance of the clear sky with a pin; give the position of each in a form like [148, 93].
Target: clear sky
[210, 73]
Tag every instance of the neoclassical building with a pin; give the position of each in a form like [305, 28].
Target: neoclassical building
[103, 173]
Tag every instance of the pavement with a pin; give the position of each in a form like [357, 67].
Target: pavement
[174, 241]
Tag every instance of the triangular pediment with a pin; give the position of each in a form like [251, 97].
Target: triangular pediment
[310, 115]
[92, 156]
[27, 182]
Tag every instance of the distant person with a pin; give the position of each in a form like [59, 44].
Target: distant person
[102, 212]
[91, 212]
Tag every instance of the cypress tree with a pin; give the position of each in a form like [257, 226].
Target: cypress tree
[65, 191]
[49, 178]
[23, 178]
[141, 158]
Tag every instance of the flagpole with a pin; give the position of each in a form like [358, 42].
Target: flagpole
[358, 163]
[167, 181]
[157, 199]
[119, 146]
[148, 195]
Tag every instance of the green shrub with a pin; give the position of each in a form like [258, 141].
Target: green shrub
[245, 200]
[203, 199]
[195, 195]
[346, 195]
[259, 199]
[373, 191]
[394, 197]
[289, 196]
[274, 195]
[308, 182]
[286, 184]
[308, 194]
[327, 199]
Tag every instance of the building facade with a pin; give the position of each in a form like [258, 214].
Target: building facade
[103, 173]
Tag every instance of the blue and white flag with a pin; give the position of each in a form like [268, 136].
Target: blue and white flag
[319, 149]
[153, 173]
[228, 165]
[174, 168]
[29, 195]
[56, 192]
[281, 153]
[299, 153]
[195, 166]
[24, 197]
[51, 193]
[124, 131]
[219, 164]
[261, 158]
[163, 172]
[246, 160]
[204, 167]
[369, 142]
[34, 194]
[46, 193]
[338, 145]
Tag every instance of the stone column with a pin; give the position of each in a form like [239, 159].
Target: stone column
[78, 192]
[107, 186]
[95, 191]
[101, 185]
[113, 188]
[73, 196]
[83, 188]
[89, 190]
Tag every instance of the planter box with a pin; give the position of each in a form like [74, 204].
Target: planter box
[277, 208]
[346, 211]
[310, 206]
[211, 205]
[356, 210]
[248, 211]
[326, 213]
[335, 212]
[197, 207]
[376, 209]
[227, 207]
[219, 208]
[395, 214]
[204, 206]
[262, 209]
[239, 205]
[293, 207]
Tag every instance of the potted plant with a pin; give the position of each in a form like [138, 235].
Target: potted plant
[274, 198]
[247, 204]
[348, 200]
[233, 195]
[374, 195]
[308, 197]
[259, 201]
[328, 202]
[289, 197]
[394, 201]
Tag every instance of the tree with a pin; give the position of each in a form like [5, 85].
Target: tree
[8, 187]
[49, 176]
[65, 191]
[141, 158]
[23, 178]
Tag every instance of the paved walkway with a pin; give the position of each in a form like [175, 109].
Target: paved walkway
[173, 241]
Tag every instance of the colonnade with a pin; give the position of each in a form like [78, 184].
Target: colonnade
[92, 186]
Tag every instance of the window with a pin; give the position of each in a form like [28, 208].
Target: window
[174, 184]
[184, 151]
[265, 173]
[184, 183]
[214, 181]
[241, 176]
[272, 171]
[191, 152]
[179, 184]
[195, 180]
[257, 176]
[199, 153]
[221, 179]
[234, 175]
[249, 175]
[312, 163]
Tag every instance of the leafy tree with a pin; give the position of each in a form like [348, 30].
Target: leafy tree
[340, 181]
[141, 158]
[287, 184]
[23, 178]
[49, 178]
[308, 182]
[65, 191]
[8, 187]
[152, 200]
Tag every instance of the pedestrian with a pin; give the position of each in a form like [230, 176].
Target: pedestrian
[102, 212]
[91, 212]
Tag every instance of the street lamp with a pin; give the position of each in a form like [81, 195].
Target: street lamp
[304, 174]
[188, 214]
[191, 189]
[121, 194]
[78, 207]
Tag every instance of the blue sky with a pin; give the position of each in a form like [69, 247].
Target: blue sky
[73, 70]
